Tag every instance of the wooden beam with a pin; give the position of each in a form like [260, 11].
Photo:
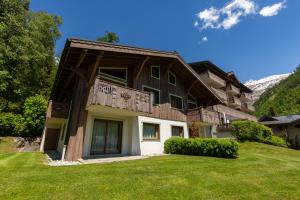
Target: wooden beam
[140, 69]
[95, 66]
[81, 73]
[171, 64]
[78, 63]
[192, 85]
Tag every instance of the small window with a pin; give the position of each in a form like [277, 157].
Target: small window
[118, 75]
[156, 95]
[176, 102]
[177, 131]
[192, 103]
[155, 72]
[172, 78]
[150, 131]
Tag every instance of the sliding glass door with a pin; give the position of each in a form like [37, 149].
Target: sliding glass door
[107, 137]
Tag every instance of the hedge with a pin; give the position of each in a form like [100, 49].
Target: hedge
[251, 131]
[224, 148]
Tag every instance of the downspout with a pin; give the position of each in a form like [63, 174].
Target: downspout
[67, 134]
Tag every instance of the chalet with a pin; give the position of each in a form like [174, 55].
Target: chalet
[111, 99]
[284, 126]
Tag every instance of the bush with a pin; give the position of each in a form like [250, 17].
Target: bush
[8, 121]
[34, 113]
[251, 131]
[202, 147]
[277, 141]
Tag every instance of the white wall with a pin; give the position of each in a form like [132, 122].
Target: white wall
[126, 131]
[148, 147]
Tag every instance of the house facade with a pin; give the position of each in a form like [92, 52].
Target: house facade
[284, 126]
[111, 99]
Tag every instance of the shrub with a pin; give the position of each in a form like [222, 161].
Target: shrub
[202, 147]
[251, 131]
[8, 121]
[34, 112]
[277, 141]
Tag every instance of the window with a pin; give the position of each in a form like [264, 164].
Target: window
[155, 92]
[150, 131]
[114, 74]
[172, 78]
[192, 103]
[177, 131]
[155, 72]
[176, 102]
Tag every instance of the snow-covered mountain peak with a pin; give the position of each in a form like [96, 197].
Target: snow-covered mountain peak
[261, 85]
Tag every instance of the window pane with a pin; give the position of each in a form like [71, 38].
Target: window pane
[176, 102]
[150, 131]
[155, 94]
[177, 131]
[155, 71]
[117, 73]
[172, 79]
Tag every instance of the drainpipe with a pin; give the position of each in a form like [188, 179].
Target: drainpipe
[67, 134]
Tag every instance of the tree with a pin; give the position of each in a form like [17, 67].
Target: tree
[27, 63]
[110, 37]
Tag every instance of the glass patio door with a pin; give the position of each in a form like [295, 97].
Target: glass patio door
[107, 137]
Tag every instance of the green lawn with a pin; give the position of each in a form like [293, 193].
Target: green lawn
[7, 145]
[261, 172]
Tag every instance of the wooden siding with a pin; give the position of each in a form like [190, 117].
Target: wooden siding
[164, 111]
[221, 93]
[57, 110]
[108, 94]
[203, 115]
[234, 102]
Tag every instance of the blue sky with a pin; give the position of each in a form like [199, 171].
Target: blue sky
[254, 38]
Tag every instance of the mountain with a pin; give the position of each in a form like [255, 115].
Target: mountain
[261, 85]
[281, 99]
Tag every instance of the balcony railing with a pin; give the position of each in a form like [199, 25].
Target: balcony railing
[248, 107]
[234, 102]
[233, 114]
[246, 97]
[203, 115]
[212, 79]
[57, 110]
[231, 89]
[221, 94]
[115, 96]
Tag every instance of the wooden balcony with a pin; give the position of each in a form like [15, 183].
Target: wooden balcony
[246, 97]
[247, 107]
[203, 115]
[232, 90]
[212, 79]
[221, 94]
[57, 110]
[115, 96]
[224, 128]
[233, 114]
[234, 102]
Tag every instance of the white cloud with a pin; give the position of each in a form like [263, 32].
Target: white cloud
[232, 13]
[227, 16]
[272, 10]
[204, 39]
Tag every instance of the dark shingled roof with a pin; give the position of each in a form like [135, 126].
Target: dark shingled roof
[280, 119]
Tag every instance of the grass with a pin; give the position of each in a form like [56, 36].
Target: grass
[7, 145]
[261, 172]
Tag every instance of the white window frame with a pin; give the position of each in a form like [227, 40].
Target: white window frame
[113, 78]
[152, 66]
[149, 139]
[169, 72]
[172, 125]
[158, 90]
[174, 95]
